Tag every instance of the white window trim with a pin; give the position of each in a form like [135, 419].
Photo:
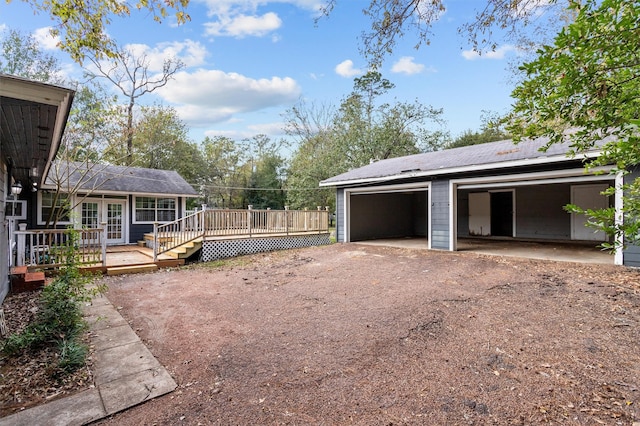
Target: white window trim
[23, 209]
[41, 220]
[146, 222]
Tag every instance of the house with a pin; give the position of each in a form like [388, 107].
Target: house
[128, 199]
[33, 116]
[493, 190]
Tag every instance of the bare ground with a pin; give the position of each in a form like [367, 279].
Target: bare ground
[354, 334]
[372, 335]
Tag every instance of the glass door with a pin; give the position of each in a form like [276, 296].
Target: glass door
[94, 212]
[115, 226]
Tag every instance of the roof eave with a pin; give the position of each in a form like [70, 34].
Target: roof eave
[465, 169]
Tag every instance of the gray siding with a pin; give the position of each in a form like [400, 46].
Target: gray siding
[440, 227]
[340, 216]
[4, 241]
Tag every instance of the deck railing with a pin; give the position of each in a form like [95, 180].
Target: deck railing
[250, 223]
[49, 248]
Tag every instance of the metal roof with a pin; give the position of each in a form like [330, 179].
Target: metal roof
[469, 158]
[103, 178]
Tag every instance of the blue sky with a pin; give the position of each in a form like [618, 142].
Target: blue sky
[248, 61]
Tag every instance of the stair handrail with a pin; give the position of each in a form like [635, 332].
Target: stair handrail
[167, 236]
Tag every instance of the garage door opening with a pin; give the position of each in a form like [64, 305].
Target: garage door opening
[392, 214]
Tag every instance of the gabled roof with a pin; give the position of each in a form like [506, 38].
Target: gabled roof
[108, 179]
[493, 155]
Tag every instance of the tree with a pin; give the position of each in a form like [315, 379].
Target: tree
[82, 24]
[223, 181]
[130, 74]
[362, 130]
[22, 56]
[266, 174]
[520, 21]
[491, 130]
[366, 131]
[585, 88]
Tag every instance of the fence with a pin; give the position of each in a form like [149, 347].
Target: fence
[50, 248]
[213, 223]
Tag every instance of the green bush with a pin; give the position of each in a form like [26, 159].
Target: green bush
[59, 322]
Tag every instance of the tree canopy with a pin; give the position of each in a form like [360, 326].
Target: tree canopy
[82, 24]
[585, 89]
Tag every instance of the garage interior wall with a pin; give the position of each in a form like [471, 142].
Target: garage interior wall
[539, 211]
[388, 215]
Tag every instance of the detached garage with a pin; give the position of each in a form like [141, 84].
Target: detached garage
[492, 191]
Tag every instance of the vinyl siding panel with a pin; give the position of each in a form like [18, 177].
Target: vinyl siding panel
[440, 226]
[340, 216]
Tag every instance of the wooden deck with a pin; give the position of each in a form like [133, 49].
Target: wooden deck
[132, 259]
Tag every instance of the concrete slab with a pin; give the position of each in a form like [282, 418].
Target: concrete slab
[78, 409]
[545, 250]
[125, 374]
[111, 337]
[132, 390]
[121, 361]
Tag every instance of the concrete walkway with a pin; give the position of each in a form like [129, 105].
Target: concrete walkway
[125, 374]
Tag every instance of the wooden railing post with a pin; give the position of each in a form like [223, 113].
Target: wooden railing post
[286, 219]
[104, 243]
[249, 218]
[327, 220]
[155, 241]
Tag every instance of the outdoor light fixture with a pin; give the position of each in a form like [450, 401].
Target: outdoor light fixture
[33, 172]
[34, 187]
[16, 189]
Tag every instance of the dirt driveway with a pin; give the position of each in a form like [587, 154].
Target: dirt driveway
[354, 334]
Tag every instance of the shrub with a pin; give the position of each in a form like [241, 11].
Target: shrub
[59, 322]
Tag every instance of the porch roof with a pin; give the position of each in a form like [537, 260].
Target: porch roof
[493, 155]
[34, 115]
[104, 178]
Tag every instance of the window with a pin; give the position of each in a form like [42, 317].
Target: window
[48, 211]
[153, 209]
[16, 209]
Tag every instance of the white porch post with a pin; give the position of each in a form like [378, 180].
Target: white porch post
[22, 246]
[104, 243]
[249, 208]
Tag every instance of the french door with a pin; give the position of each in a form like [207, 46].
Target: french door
[94, 212]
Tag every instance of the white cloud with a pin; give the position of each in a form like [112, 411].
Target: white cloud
[210, 96]
[406, 65]
[499, 53]
[269, 129]
[346, 69]
[192, 53]
[45, 39]
[244, 25]
[220, 8]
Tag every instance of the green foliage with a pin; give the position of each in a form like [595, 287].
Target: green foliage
[59, 322]
[470, 137]
[585, 89]
[82, 24]
[21, 56]
[362, 130]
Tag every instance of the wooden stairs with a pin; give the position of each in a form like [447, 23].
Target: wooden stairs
[22, 280]
[183, 251]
